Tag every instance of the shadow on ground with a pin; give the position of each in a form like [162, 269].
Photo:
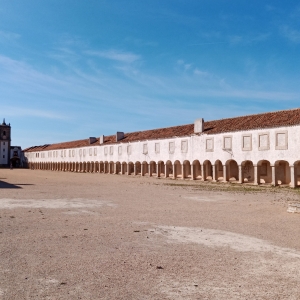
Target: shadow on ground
[6, 185]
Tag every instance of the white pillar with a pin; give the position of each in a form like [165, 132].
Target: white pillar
[240, 174]
[115, 168]
[213, 168]
[224, 173]
[166, 168]
[182, 171]
[273, 176]
[174, 171]
[202, 172]
[255, 175]
[293, 178]
[192, 172]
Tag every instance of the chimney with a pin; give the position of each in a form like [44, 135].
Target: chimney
[119, 136]
[101, 139]
[199, 125]
[92, 140]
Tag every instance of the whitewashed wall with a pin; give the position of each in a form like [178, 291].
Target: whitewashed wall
[196, 149]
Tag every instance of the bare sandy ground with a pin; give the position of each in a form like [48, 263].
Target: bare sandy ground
[96, 236]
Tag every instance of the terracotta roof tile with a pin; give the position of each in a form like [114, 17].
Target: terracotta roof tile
[265, 120]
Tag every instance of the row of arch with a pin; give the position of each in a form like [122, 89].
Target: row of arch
[263, 172]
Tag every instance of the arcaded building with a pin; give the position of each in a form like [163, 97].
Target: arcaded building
[254, 149]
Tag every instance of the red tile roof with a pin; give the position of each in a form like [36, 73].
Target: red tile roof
[258, 121]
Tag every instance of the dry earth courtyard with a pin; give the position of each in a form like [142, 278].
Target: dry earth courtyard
[67, 235]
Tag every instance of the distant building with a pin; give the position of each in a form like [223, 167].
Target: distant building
[253, 149]
[9, 155]
[5, 139]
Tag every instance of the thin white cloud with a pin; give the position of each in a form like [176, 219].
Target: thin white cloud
[32, 112]
[291, 34]
[116, 55]
[8, 35]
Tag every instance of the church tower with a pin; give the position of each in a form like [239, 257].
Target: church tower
[5, 140]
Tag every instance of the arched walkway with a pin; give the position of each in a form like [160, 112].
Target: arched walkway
[137, 168]
[145, 168]
[247, 171]
[186, 169]
[282, 172]
[169, 169]
[264, 172]
[124, 168]
[177, 169]
[196, 170]
[152, 169]
[232, 171]
[130, 168]
[219, 175]
[160, 169]
[207, 170]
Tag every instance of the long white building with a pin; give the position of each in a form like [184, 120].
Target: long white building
[258, 149]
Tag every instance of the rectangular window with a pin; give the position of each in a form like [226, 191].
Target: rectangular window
[263, 141]
[145, 149]
[69, 153]
[171, 147]
[105, 151]
[120, 150]
[209, 145]
[227, 142]
[90, 151]
[95, 151]
[80, 152]
[281, 140]
[129, 149]
[65, 153]
[73, 153]
[184, 146]
[84, 152]
[247, 142]
[111, 150]
[157, 147]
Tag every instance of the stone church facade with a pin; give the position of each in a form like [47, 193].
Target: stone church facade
[254, 149]
[5, 140]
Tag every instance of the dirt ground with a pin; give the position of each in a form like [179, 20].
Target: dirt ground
[100, 236]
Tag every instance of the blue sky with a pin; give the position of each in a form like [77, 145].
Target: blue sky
[73, 69]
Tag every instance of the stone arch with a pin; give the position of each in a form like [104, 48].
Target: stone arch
[101, 167]
[130, 168]
[92, 167]
[207, 170]
[152, 168]
[118, 168]
[145, 168]
[247, 172]
[219, 172]
[264, 172]
[169, 169]
[84, 167]
[111, 167]
[96, 166]
[177, 169]
[160, 169]
[196, 168]
[106, 170]
[186, 169]
[124, 168]
[137, 168]
[282, 172]
[232, 170]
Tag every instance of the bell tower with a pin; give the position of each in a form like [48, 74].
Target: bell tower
[5, 141]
